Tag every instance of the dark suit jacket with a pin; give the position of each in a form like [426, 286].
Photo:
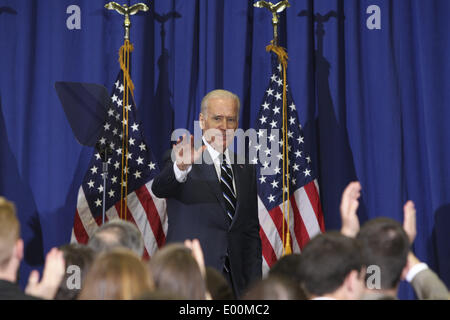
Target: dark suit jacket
[11, 291]
[196, 209]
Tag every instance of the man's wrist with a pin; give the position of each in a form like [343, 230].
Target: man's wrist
[414, 270]
[182, 166]
[181, 175]
[349, 232]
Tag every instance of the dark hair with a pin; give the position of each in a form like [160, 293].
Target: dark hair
[117, 234]
[288, 267]
[385, 244]
[327, 260]
[77, 255]
[217, 285]
[273, 288]
[175, 271]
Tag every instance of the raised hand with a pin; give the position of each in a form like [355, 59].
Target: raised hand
[52, 276]
[197, 253]
[349, 205]
[184, 153]
[409, 220]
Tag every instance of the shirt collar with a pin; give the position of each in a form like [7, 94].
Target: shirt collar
[214, 153]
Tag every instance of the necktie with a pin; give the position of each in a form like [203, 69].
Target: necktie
[226, 182]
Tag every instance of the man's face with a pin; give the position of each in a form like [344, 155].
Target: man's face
[220, 122]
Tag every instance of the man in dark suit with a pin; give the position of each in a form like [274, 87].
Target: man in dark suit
[212, 198]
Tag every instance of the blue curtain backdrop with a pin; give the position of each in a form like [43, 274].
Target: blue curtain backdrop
[374, 103]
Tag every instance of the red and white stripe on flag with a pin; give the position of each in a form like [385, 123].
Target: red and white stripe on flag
[305, 221]
[145, 210]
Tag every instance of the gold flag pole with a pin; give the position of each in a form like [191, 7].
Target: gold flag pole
[275, 9]
[124, 60]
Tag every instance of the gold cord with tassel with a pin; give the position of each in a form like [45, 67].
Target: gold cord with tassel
[282, 58]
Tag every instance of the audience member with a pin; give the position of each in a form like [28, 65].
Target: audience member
[386, 246]
[273, 288]
[79, 257]
[11, 254]
[288, 266]
[332, 268]
[118, 274]
[157, 294]
[217, 285]
[117, 234]
[177, 271]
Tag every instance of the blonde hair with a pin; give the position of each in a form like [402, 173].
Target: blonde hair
[116, 275]
[9, 230]
[176, 272]
[219, 94]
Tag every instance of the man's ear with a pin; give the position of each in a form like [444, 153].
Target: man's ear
[352, 282]
[18, 250]
[202, 121]
[349, 280]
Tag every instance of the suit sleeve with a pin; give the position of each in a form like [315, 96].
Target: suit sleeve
[165, 184]
[254, 240]
[428, 286]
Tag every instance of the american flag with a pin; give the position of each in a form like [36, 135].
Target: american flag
[305, 212]
[144, 209]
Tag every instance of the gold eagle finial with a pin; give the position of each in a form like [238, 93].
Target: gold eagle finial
[275, 9]
[127, 12]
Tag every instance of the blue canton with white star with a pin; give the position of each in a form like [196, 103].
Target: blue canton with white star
[142, 166]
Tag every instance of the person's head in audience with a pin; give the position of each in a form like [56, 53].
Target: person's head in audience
[175, 271]
[385, 245]
[273, 288]
[11, 254]
[78, 259]
[288, 266]
[11, 245]
[217, 285]
[332, 267]
[117, 233]
[157, 294]
[118, 274]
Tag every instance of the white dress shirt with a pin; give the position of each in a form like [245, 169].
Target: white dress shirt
[415, 270]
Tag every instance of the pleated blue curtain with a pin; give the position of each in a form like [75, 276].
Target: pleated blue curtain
[370, 79]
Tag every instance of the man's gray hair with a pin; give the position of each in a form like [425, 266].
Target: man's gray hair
[117, 233]
[219, 93]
